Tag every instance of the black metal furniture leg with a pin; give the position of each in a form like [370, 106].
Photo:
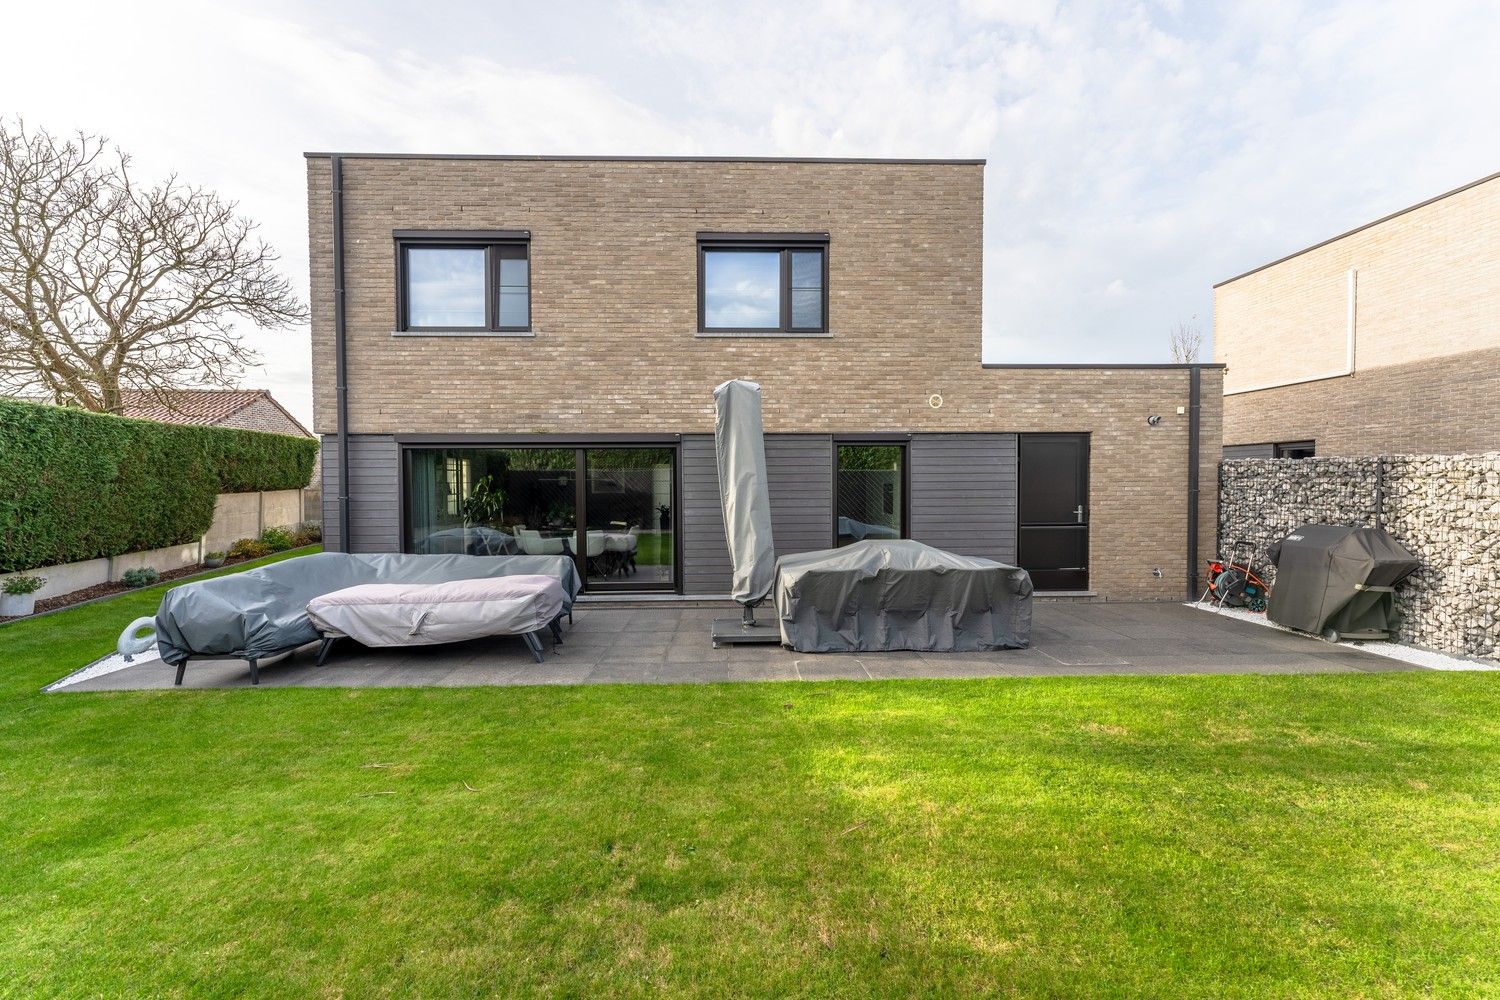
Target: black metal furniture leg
[324, 650]
[254, 671]
[181, 669]
[556, 626]
[534, 644]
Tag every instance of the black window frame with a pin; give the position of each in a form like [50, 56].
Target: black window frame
[785, 244]
[903, 441]
[489, 241]
[1295, 450]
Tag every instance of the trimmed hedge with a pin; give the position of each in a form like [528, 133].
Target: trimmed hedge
[77, 485]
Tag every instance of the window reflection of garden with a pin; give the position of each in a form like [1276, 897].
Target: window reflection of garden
[507, 501]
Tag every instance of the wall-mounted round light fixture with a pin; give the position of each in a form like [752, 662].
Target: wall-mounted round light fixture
[935, 401]
[1153, 420]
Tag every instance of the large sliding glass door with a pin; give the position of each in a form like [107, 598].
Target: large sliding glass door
[610, 509]
[630, 536]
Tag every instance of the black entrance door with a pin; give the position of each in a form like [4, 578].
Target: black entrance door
[1054, 510]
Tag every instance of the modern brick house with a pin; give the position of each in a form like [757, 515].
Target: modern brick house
[1383, 340]
[520, 353]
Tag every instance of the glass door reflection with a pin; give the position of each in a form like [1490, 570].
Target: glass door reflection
[492, 501]
[630, 537]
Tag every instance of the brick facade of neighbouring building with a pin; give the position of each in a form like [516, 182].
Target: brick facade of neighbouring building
[615, 350]
[1385, 339]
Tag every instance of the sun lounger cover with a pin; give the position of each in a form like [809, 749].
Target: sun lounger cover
[262, 611]
[879, 595]
[1321, 569]
[417, 614]
[739, 441]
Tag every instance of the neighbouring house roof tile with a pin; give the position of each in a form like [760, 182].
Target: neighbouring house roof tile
[211, 407]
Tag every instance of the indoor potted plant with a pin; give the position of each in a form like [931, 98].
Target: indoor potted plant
[18, 596]
[664, 516]
[213, 560]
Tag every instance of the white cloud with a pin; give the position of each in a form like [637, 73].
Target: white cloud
[1151, 147]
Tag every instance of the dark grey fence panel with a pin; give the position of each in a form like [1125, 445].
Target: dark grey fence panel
[375, 495]
[964, 493]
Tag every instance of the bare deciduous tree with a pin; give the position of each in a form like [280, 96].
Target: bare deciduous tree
[1187, 342]
[106, 286]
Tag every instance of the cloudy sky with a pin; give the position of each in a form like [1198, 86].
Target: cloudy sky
[1138, 151]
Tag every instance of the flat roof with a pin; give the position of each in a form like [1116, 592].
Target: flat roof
[1360, 229]
[641, 159]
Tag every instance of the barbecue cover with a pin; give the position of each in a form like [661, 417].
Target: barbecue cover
[263, 611]
[739, 442]
[884, 595]
[1321, 567]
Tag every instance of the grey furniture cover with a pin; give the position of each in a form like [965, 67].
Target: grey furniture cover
[740, 446]
[263, 611]
[1338, 577]
[885, 595]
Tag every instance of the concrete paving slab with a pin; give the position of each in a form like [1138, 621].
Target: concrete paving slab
[667, 644]
[659, 672]
[749, 670]
[1082, 654]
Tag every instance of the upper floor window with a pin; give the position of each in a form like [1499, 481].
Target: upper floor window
[763, 283]
[463, 282]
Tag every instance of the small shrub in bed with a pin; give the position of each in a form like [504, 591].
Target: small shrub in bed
[276, 539]
[143, 576]
[307, 533]
[249, 548]
[24, 584]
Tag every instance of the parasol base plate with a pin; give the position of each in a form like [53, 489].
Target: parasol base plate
[734, 632]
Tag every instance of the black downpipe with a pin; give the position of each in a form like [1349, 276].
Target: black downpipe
[1195, 377]
[340, 362]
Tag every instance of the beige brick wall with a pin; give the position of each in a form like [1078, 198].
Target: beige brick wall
[1437, 407]
[614, 286]
[1428, 286]
[614, 293]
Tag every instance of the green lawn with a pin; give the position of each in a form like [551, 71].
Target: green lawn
[1097, 837]
[654, 550]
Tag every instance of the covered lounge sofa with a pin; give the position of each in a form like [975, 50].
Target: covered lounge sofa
[262, 612]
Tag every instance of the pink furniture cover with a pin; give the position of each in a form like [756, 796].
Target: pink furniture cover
[403, 614]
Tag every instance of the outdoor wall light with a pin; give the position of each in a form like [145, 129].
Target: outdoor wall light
[935, 401]
[1153, 420]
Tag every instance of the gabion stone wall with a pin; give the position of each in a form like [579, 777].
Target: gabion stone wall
[1444, 508]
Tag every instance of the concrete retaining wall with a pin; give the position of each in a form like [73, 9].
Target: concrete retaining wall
[1444, 508]
[236, 516]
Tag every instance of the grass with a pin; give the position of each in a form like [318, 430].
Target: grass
[653, 549]
[1103, 837]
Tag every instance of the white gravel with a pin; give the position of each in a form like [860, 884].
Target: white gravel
[104, 665]
[1415, 655]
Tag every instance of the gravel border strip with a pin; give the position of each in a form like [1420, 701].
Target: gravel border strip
[1431, 659]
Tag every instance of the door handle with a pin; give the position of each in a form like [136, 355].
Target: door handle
[1078, 513]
